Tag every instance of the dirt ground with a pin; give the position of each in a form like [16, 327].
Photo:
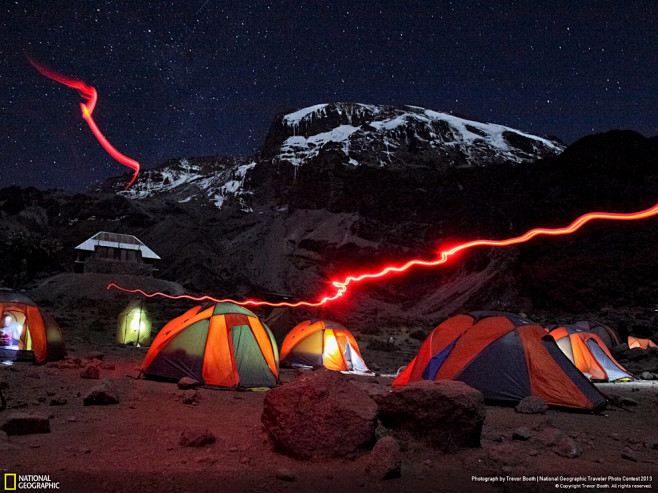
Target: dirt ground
[134, 445]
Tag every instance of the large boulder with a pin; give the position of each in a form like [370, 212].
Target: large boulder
[445, 414]
[320, 414]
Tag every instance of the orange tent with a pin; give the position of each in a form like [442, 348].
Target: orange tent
[322, 342]
[224, 344]
[504, 356]
[641, 343]
[38, 338]
[588, 352]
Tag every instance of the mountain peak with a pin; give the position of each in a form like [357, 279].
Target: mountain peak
[382, 136]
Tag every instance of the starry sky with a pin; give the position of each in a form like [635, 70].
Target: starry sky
[206, 77]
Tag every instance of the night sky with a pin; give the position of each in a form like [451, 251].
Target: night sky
[206, 77]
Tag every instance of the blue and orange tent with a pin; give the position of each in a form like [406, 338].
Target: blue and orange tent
[504, 356]
[589, 353]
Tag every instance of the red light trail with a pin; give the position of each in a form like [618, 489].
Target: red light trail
[341, 287]
[89, 93]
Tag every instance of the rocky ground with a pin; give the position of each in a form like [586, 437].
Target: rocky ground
[142, 443]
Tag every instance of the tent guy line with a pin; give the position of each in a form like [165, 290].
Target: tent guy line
[443, 256]
[90, 94]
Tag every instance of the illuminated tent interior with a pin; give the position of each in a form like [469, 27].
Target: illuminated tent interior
[134, 325]
[590, 355]
[322, 343]
[504, 356]
[224, 345]
[26, 333]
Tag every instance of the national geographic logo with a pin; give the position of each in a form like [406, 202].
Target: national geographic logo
[18, 482]
[10, 482]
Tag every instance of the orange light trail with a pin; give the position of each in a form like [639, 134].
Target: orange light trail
[91, 96]
[341, 287]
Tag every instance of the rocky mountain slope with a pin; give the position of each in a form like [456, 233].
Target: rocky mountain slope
[288, 221]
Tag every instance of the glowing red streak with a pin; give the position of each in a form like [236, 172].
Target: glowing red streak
[89, 93]
[442, 258]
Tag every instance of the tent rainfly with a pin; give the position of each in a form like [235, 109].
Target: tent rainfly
[224, 345]
[504, 356]
[590, 355]
[322, 343]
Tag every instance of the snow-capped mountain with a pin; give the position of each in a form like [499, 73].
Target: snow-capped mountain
[211, 180]
[348, 135]
[385, 136]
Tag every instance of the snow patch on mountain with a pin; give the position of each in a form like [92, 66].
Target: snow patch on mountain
[379, 132]
[298, 149]
[184, 181]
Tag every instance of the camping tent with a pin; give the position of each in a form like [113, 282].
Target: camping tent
[134, 324]
[322, 342]
[606, 333]
[35, 336]
[588, 352]
[641, 343]
[504, 356]
[224, 344]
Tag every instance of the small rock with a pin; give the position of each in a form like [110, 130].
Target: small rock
[531, 405]
[91, 372]
[522, 433]
[108, 366]
[384, 460]
[620, 401]
[26, 424]
[244, 460]
[646, 375]
[196, 438]
[533, 453]
[285, 475]
[547, 434]
[58, 401]
[568, 447]
[72, 419]
[102, 394]
[188, 383]
[629, 454]
[653, 445]
[191, 397]
[50, 393]
[95, 355]
[381, 431]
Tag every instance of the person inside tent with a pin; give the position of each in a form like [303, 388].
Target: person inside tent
[11, 331]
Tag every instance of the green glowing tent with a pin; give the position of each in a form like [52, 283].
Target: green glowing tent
[134, 325]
